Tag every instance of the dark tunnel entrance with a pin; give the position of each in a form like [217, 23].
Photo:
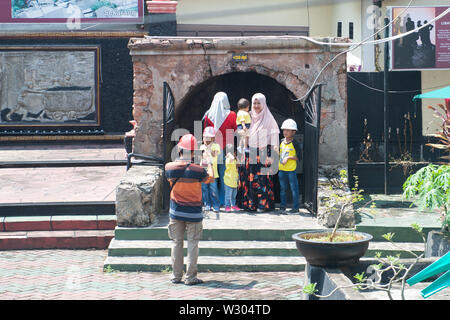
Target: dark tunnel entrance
[243, 85]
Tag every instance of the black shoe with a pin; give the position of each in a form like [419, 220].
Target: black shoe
[193, 282]
[176, 281]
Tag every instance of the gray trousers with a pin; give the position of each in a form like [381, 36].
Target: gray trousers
[193, 230]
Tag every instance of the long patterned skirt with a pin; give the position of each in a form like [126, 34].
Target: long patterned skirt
[255, 190]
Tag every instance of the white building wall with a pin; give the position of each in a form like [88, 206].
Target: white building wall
[322, 18]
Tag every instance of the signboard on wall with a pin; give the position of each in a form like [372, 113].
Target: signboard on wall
[61, 11]
[428, 48]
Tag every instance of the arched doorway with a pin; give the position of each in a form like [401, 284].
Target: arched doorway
[280, 100]
[195, 68]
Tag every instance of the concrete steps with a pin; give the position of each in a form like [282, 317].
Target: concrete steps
[157, 248]
[223, 250]
[56, 232]
[67, 239]
[59, 222]
[209, 263]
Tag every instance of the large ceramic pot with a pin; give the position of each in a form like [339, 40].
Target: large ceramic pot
[331, 254]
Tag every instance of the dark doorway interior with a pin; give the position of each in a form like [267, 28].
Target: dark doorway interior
[243, 85]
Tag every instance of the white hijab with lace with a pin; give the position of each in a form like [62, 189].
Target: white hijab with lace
[219, 110]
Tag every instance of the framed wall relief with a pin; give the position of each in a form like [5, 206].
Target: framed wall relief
[49, 86]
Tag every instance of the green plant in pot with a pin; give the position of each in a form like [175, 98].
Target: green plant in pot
[334, 247]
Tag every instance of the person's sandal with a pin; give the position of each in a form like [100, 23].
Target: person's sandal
[193, 282]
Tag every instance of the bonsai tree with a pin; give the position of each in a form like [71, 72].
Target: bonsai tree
[392, 266]
[342, 199]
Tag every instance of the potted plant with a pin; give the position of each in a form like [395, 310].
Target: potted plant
[334, 248]
[388, 274]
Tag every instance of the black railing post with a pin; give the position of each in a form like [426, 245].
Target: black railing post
[385, 107]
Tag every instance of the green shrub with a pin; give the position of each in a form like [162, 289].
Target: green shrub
[429, 188]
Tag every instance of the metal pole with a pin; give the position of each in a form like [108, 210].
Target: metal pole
[164, 204]
[316, 165]
[385, 102]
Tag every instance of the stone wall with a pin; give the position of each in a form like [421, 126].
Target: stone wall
[184, 63]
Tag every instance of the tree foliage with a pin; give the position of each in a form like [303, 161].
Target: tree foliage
[429, 187]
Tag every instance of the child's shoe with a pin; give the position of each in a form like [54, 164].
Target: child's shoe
[227, 209]
[235, 208]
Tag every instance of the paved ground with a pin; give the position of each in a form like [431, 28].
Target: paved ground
[43, 152]
[66, 184]
[78, 274]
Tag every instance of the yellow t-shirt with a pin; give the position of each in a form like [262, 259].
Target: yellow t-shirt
[287, 150]
[212, 147]
[243, 116]
[231, 176]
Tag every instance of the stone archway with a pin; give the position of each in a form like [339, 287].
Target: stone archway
[184, 63]
[238, 85]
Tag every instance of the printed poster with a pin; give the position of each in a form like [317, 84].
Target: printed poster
[428, 48]
[59, 11]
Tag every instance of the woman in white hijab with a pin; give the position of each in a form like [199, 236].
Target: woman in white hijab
[255, 192]
[223, 120]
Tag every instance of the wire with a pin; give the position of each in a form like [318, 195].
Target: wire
[351, 49]
[395, 91]
[401, 35]
[367, 42]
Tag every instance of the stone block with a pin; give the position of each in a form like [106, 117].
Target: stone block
[438, 244]
[139, 196]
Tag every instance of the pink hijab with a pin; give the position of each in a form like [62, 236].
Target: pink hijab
[263, 129]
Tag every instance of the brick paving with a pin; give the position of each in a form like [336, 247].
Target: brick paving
[79, 275]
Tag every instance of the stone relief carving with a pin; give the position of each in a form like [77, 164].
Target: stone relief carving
[41, 87]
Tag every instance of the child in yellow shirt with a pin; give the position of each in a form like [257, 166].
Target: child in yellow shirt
[243, 121]
[210, 153]
[290, 154]
[230, 179]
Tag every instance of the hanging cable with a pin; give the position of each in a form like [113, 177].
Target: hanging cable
[351, 49]
[399, 36]
[395, 91]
